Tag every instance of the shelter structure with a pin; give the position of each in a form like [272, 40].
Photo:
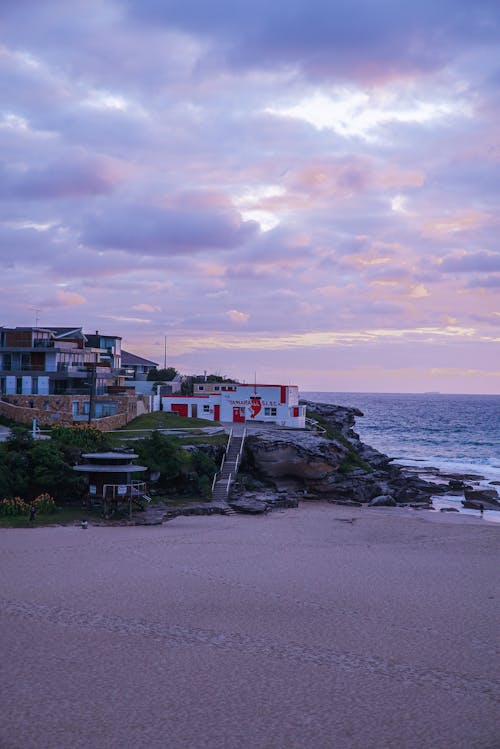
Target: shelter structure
[110, 481]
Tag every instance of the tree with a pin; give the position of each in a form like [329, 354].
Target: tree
[166, 375]
[29, 468]
[84, 438]
[162, 455]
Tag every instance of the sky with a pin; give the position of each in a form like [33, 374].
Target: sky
[302, 191]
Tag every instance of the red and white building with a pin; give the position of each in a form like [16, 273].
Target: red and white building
[234, 402]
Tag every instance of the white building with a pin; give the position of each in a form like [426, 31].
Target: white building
[234, 402]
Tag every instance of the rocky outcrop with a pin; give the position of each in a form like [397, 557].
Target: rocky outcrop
[485, 499]
[328, 461]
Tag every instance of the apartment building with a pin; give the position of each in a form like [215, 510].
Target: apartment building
[62, 375]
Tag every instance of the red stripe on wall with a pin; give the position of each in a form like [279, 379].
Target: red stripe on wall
[283, 393]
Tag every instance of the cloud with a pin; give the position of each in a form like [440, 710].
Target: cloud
[291, 174]
[352, 38]
[63, 179]
[237, 316]
[170, 230]
[62, 298]
[145, 308]
[479, 262]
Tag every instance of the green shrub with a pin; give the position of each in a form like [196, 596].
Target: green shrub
[85, 437]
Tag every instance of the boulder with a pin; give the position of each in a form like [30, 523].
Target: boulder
[487, 494]
[383, 500]
[250, 506]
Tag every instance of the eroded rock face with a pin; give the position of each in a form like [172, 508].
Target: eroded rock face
[278, 454]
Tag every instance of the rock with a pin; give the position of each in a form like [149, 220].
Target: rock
[471, 504]
[384, 500]
[477, 499]
[287, 465]
[250, 506]
[346, 502]
[448, 509]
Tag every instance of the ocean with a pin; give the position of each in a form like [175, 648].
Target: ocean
[454, 433]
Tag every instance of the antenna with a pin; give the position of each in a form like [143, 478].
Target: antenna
[36, 311]
[165, 353]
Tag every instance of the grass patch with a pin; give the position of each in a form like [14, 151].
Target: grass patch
[63, 516]
[204, 439]
[166, 420]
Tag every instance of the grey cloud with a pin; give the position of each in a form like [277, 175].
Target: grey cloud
[54, 180]
[154, 230]
[482, 262]
[349, 38]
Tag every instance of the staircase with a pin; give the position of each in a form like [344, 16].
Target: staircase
[221, 486]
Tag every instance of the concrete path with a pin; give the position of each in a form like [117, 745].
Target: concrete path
[4, 433]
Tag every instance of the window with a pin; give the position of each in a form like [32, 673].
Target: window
[217, 387]
[206, 409]
[201, 387]
[108, 408]
[270, 412]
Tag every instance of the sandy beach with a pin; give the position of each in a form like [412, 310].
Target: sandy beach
[310, 628]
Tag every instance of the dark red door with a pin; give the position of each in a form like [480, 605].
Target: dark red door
[180, 408]
[217, 413]
[238, 414]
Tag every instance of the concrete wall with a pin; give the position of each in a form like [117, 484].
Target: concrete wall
[25, 408]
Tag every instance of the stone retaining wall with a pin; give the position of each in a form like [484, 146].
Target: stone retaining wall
[57, 410]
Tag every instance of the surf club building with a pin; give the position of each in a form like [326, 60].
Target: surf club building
[240, 403]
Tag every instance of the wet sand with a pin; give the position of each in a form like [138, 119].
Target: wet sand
[296, 630]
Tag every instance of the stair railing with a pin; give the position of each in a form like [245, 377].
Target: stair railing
[218, 473]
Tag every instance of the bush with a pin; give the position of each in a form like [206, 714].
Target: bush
[16, 506]
[45, 504]
[86, 438]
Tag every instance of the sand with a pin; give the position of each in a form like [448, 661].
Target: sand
[300, 629]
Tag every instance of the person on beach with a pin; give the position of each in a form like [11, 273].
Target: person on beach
[31, 518]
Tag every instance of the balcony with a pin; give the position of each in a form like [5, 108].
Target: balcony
[43, 343]
[13, 368]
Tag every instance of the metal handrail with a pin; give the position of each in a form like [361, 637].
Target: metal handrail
[315, 424]
[230, 437]
[135, 488]
[219, 472]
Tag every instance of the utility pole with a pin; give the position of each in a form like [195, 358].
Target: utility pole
[165, 354]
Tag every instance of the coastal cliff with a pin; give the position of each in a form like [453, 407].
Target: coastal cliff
[329, 462]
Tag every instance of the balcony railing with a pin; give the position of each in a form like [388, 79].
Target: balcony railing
[13, 367]
[42, 343]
